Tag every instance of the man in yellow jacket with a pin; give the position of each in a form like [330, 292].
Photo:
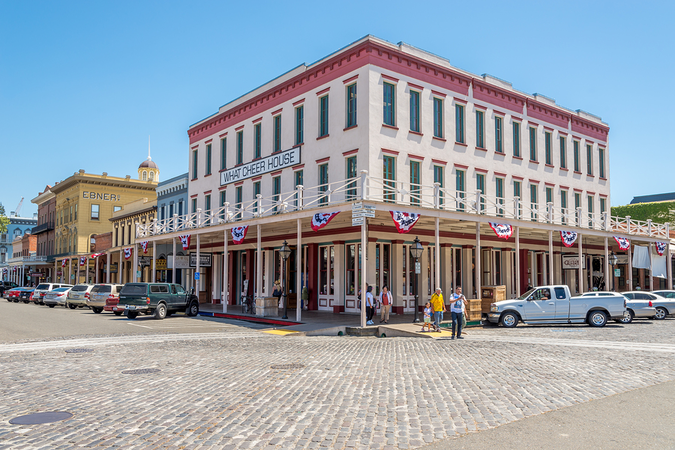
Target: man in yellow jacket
[439, 308]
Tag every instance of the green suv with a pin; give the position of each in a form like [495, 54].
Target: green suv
[158, 299]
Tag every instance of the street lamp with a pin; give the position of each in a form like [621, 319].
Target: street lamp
[613, 260]
[416, 252]
[285, 252]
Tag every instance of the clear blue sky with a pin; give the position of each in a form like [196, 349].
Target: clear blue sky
[84, 83]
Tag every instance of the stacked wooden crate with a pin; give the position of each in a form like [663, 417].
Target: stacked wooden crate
[490, 295]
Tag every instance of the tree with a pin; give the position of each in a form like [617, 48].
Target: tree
[4, 221]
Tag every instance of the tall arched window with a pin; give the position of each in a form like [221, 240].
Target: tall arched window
[152, 176]
[145, 175]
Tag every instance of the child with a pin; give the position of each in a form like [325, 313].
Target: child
[427, 317]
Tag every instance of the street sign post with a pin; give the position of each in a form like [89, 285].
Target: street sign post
[358, 221]
[363, 214]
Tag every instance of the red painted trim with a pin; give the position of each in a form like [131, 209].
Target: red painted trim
[576, 172]
[533, 162]
[588, 141]
[517, 119]
[208, 192]
[384, 125]
[350, 152]
[500, 174]
[278, 111]
[259, 119]
[223, 135]
[516, 177]
[603, 195]
[350, 79]
[564, 187]
[435, 138]
[481, 149]
[350, 128]
[532, 124]
[500, 153]
[323, 91]
[547, 113]
[533, 181]
[589, 128]
[548, 165]
[416, 133]
[548, 128]
[415, 86]
[298, 167]
[207, 175]
[194, 179]
[322, 160]
[194, 147]
[461, 166]
[322, 137]
[459, 100]
[439, 161]
[565, 169]
[591, 176]
[497, 96]
[258, 178]
[390, 152]
[439, 94]
[239, 128]
[590, 193]
[238, 183]
[390, 78]
[411, 156]
[603, 179]
[481, 107]
[549, 184]
[519, 158]
[461, 144]
[208, 141]
[499, 113]
[578, 190]
[302, 100]
[274, 174]
[194, 196]
[480, 170]
[562, 133]
[222, 188]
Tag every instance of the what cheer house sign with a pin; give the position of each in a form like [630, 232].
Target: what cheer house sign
[277, 161]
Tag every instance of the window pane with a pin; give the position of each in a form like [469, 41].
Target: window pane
[459, 123]
[389, 104]
[414, 111]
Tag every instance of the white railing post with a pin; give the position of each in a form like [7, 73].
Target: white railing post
[364, 185]
[329, 193]
[137, 225]
[605, 221]
[649, 226]
[628, 224]
[477, 206]
[579, 217]
[174, 222]
[299, 192]
[198, 219]
[437, 195]
[154, 226]
[258, 201]
[226, 211]
[549, 207]
[516, 207]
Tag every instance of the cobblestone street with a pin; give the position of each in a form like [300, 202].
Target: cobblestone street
[241, 388]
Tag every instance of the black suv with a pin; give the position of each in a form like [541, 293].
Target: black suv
[6, 286]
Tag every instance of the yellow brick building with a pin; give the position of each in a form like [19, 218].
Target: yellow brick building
[85, 203]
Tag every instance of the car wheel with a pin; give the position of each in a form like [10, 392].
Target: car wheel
[661, 313]
[132, 315]
[16, 300]
[51, 306]
[26, 301]
[71, 306]
[509, 320]
[193, 310]
[597, 319]
[628, 317]
[160, 311]
[97, 310]
[117, 313]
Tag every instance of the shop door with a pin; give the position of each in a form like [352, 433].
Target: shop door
[407, 293]
[352, 277]
[382, 268]
[326, 277]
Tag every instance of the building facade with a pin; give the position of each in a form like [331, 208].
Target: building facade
[377, 128]
[17, 228]
[172, 200]
[45, 232]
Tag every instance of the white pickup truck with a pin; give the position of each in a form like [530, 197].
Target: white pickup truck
[554, 304]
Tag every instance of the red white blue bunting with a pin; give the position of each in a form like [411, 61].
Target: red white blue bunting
[144, 245]
[64, 262]
[404, 221]
[660, 247]
[320, 220]
[185, 241]
[568, 238]
[127, 252]
[96, 255]
[239, 234]
[502, 230]
[83, 259]
[624, 244]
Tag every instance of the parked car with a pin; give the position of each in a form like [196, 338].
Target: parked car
[13, 294]
[26, 294]
[664, 306]
[635, 309]
[78, 295]
[56, 296]
[100, 294]
[158, 299]
[42, 289]
[6, 286]
[554, 304]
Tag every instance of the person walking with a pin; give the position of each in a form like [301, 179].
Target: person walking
[457, 308]
[439, 308]
[386, 301]
[458, 295]
[370, 305]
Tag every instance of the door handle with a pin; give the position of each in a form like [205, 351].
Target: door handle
[551, 303]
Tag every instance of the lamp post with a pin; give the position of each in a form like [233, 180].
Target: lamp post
[613, 260]
[416, 252]
[285, 252]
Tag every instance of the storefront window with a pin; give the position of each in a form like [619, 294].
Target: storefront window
[405, 272]
[351, 258]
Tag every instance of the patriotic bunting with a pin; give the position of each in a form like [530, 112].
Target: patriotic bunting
[144, 245]
[83, 259]
[238, 234]
[96, 255]
[63, 263]
[568, 238]
[404, 221]
[185, 240]
[127, 252]
[624, 244]
[320, 220]
[502, 230]
[660, 247]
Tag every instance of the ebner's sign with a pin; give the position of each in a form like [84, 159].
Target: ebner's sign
[270, 163]
[101, 196]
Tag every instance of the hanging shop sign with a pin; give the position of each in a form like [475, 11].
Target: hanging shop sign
[204, 259]
[572, 262]
[278, 161]
[182, 262]
[161, 264]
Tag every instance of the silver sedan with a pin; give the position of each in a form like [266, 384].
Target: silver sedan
[635, 309]
[56, 296]
[664, 306]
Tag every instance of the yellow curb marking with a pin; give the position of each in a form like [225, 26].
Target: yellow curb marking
[279, 332]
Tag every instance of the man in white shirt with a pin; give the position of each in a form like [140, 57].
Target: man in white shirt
[457, 308]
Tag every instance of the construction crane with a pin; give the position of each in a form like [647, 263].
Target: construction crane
[18, 208]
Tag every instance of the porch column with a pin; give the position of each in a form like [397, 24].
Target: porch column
[70, 270]
[154, 261]
[479, 270]
[533, 269]
[606, 263]
[446, 276]
[78, 271]
[298, 272]
[550, 258]
[134, 258]
[629, 276]
[669, 267]
[651, 267]
[226, 282]
[197, 283]
[437, 277]
[581, 265]
[364, 246]
[339, 292]
[120, 269]
[108, 262]
[517, 266]
[173, 260]
[258, 263]
[96, 270]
